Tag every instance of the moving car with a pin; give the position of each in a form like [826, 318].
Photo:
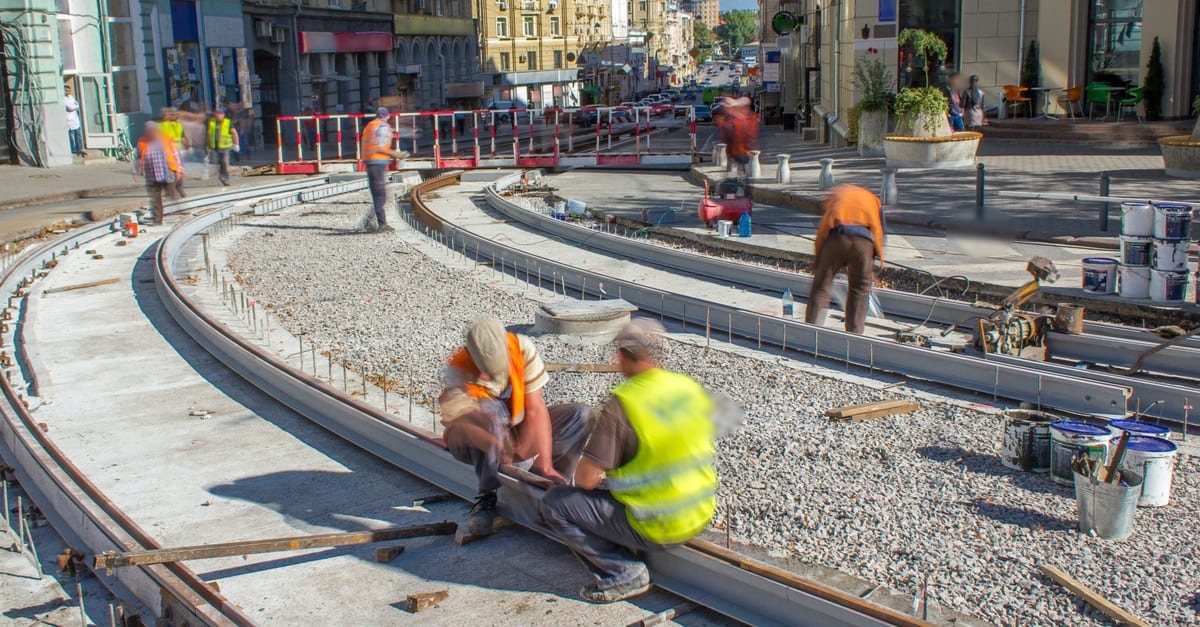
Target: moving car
[703, 114]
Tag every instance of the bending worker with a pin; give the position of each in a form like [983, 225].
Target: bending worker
[377, 153]
[850, 236]
[494, 413]
[651, 445]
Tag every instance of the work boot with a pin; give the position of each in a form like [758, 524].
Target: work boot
[482, 518]
[638, 585]
[386, 228]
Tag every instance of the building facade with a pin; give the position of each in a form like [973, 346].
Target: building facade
[529, 49]
[707, 11]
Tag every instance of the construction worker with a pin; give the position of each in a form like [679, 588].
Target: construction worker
[221, 139]
[172, 129]
[850, 236]
[651, 445]
[494, 413]
[158, 162]
[378, 154]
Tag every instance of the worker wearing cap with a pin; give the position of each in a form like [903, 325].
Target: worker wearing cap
[159, 164]
[850, 236]
[378, 154]
[220, 140]
[172, 129]
[494, 413]
[645, 480]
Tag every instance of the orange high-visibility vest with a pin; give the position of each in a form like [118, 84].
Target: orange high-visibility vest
[516, 377]
[377, 141]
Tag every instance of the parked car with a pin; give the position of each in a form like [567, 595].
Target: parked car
[703, 114]
[674, 94]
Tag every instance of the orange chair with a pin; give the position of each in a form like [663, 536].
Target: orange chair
[1014, 99]
[1072, 98]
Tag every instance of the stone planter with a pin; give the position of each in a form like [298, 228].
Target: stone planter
[952, 151]
[872, 126]
[1181, 154]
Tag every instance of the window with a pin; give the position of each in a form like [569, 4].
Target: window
[502, 27]
[936, 16]
[642, 6]
[505, 61]
[533, 59]
[558, 59]
[1115, 40]
[555, 27]
[530, 29]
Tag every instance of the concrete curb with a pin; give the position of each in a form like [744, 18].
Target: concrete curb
[97, 192]
[811, 203]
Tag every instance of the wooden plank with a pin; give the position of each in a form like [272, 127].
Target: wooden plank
[907, 408]
[555, 367]
[424, 600]
[1109, 608]
[385, 554]
[81, 286]
[854, 410]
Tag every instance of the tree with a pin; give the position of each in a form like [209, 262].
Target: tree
[737, 28]
[703, 38]
[1155, 83]
[1031, 68]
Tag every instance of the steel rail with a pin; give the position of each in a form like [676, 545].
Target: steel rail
[76, 508]
[736, 586]
[1179, 361]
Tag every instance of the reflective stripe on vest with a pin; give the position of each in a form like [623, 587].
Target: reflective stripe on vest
[669, 487]
[377, 141]
[222, 140]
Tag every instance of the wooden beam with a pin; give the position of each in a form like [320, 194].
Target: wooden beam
[81, 286]
[424, 600]
[1109, 608]
[555, 367]
[868, 411]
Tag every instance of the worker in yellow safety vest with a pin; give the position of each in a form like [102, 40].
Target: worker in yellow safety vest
[221, 138]
[645, 480]
[171, 128]
[377, 153]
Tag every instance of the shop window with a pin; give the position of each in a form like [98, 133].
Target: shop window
[502, 27]
[505, 61]
[1115, 41]
[941, 17]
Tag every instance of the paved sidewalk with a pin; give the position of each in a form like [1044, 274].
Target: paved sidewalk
[945, 199]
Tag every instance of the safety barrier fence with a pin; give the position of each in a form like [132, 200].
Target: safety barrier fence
[488, 138]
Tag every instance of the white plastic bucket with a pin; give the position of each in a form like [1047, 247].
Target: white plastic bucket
[1026, 444]
[1100, 275]
[1137, 218]
[1135, 282]
[1171, 254]
[1153, 459]
[724, 227]
[1168, 286]
[1136, 251]
[1172, 221]
[1137, 427]
[1067, 438]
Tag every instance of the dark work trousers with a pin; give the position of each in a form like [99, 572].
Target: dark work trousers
[568, 426]
[857, 256]
[594, 526]
[377, 179]
[222, 157]
[156, 190]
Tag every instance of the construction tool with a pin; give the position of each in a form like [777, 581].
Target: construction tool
[113, 560]
[1009, 329]
[68, 288]
[1171, 341]
[1109, 608]
[1112, 475]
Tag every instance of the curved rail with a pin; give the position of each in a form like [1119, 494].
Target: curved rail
[742, 588]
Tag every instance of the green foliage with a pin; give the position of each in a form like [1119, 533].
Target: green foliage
[703, 38]
[911, 102]
[1031, 67]
[1155, 84]
[1196, 105]
[926, 44]
[737, 29]
[873, 78]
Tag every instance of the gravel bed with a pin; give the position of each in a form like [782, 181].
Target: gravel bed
[897, 501]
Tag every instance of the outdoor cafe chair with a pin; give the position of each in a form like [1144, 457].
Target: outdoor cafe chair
[1133, 97]
[1014, 99]
[1071, 99]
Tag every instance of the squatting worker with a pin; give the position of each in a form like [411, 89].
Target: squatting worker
[222, 138]
[378, 154]
[850, 236]
[172, 129]
[494, 413]
[651, 445]
[157, 161]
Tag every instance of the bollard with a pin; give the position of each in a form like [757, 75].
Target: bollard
[784, 172]
[827, 181]
[980, 182]
[1105, 183]
[753, 168]
[887, 192]
[720, 157]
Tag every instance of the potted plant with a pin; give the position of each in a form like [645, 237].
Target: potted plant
[1181, 153]
[870, 113]
[923, 138]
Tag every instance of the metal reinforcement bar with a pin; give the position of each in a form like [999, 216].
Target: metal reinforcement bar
[756, 595]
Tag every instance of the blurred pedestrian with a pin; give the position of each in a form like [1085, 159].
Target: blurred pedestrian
[310, 129]
[850, 236]
[954, 95]
[74, 123]
[378, 154]
[158, 162]
[973, 103]
[738, 128]
[172, 129]
[222, 138]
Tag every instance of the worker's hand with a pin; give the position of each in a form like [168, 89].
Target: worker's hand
[400, 155]
[546, 469]
[467, 433]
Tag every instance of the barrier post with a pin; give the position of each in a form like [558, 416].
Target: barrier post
[570, 134]
[299, 142]
[437, 138]
[609, 131]
[357, 142]
[637, 133]
[492, 126]
[454, 134]
[556, 121]
[339, 138]
[598, 112]
[320, 140]
[279, 141]
[531, 132]
[414, 135]
[516, 130]
[475, 130]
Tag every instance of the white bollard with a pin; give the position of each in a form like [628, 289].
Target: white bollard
[720, 157]
[887, 192]
[784, 172]
[753, 169]
[826, 181]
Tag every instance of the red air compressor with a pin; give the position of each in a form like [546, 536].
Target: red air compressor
[726, 206]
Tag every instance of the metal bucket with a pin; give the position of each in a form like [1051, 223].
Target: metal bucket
[1107, 509]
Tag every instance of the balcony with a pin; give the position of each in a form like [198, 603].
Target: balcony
[530, 5]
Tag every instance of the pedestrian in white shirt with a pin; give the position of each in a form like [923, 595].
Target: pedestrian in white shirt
[74, 124]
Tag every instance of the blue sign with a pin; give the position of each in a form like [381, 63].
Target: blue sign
[887, 10]
[773, 56]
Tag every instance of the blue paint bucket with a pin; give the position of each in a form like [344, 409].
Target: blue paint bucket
[1172, 221]
[1137, 427]
[1100, 275]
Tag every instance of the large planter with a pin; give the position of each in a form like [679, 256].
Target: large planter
[1181, 153]
[956, 150]
[872, 126]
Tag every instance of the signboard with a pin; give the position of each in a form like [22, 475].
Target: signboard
[771, 62]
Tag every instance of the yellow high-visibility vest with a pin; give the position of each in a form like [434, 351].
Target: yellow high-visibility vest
[222, 140]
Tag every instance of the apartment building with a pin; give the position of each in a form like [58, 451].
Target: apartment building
[530, 49]
[707, 11]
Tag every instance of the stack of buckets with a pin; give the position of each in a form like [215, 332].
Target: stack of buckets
[1154, 249]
